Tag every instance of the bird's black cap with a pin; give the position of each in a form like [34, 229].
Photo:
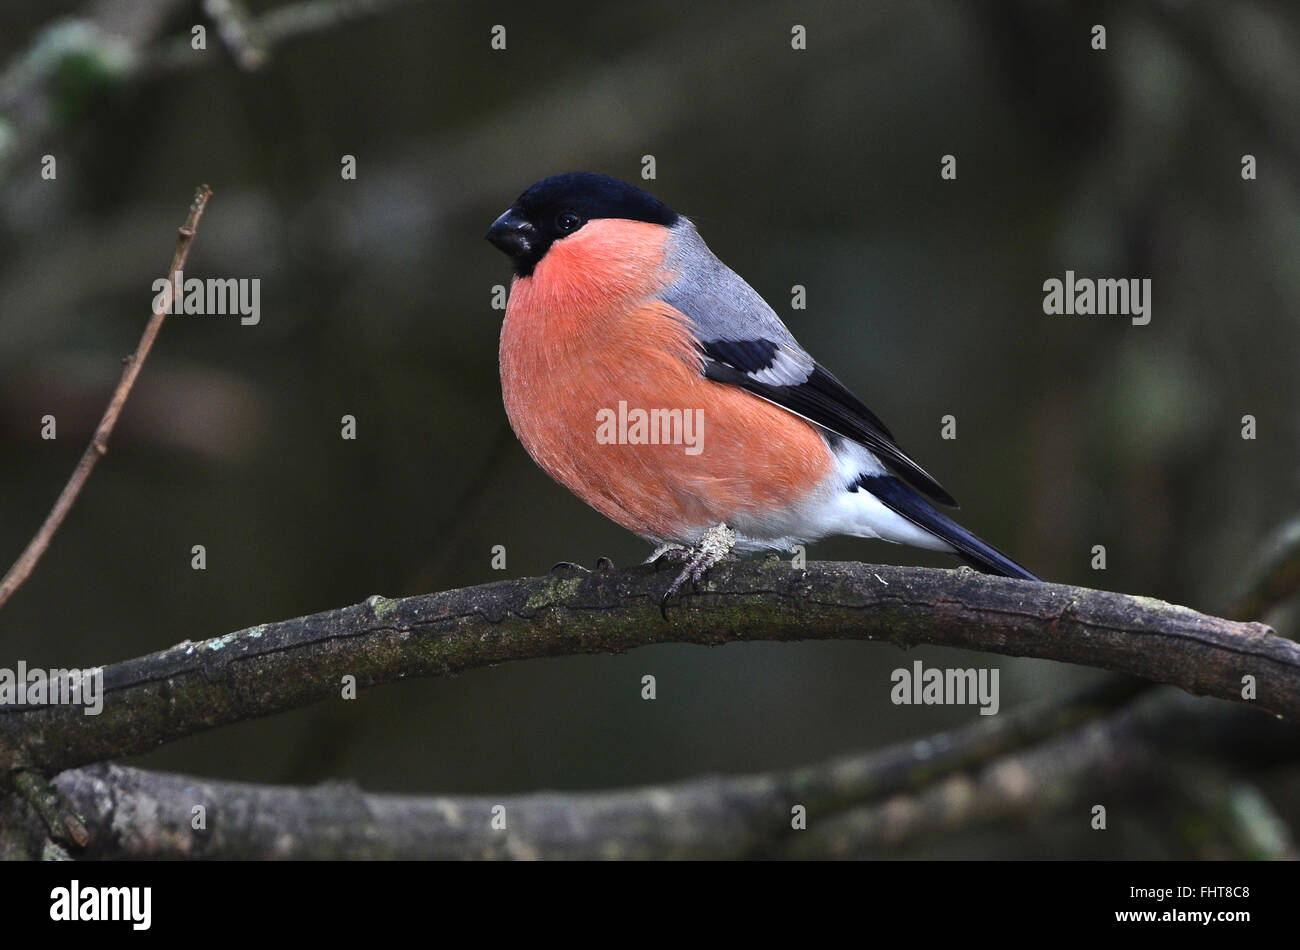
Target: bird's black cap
[555, 207]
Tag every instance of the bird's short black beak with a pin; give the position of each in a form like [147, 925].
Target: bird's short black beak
[512, 234]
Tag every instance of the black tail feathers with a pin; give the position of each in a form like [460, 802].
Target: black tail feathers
[899, 498]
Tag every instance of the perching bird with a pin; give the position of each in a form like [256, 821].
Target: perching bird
[648, 378]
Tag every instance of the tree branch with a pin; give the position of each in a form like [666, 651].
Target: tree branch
[1042, 758]
[1147, 758]
[98, 447]
[274, 667]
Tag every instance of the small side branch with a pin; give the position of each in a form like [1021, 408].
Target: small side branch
[1274, 578]
[28, 560]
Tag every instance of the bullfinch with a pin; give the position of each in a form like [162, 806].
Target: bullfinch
[649, 379]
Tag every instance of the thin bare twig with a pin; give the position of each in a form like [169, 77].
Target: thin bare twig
[1274, 577]
[238, 32]
[252, 39]
[28, 560]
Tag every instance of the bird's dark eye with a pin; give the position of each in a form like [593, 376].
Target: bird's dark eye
[567, 222]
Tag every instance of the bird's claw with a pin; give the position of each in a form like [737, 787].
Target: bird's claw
[713, 547]
[602, 564]
[567, 567]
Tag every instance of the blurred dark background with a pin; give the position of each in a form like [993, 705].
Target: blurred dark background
[817, 167]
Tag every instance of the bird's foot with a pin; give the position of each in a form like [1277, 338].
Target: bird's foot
[569, 567]
[713, 547]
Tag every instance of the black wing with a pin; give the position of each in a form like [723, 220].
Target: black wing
[791, 379]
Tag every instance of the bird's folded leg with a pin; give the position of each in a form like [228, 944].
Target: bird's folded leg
[713, 547]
